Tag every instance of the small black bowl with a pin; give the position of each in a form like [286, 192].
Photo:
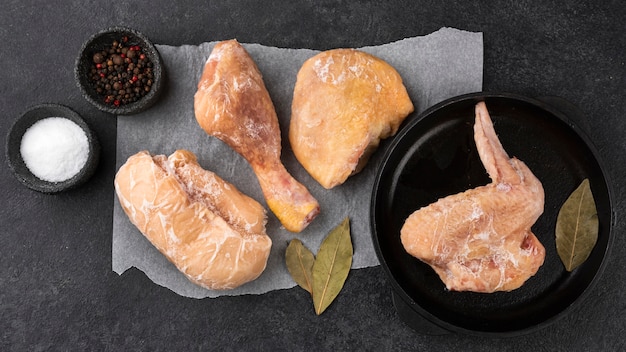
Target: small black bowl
[101, 41]
[14, 156]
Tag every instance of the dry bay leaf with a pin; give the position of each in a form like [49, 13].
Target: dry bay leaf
[299, 261]
[577, 227]
[332, 265]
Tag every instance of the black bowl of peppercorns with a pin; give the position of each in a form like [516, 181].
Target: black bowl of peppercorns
[119, 71]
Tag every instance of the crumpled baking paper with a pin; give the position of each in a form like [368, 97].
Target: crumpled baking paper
[434, 67]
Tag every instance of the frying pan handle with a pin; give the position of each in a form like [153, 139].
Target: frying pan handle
[414, 319]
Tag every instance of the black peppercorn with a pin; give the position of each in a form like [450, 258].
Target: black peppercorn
[117, 59]
[119, 68]
[98, 58]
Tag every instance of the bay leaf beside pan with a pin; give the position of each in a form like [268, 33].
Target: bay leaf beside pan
[322, 276]
[299, 261]
[332, 265]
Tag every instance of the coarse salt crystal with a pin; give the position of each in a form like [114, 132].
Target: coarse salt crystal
[54, 149]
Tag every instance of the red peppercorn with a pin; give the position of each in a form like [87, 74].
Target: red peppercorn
[102, 74]
[142, 57]
[116, 102]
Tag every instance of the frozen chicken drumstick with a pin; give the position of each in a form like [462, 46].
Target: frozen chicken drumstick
[232, 104]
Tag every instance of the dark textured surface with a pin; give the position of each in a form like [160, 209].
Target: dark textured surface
[57, 291]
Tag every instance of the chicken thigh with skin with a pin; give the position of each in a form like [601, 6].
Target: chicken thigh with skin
[232, 104]
[481, 240]
[345, 102]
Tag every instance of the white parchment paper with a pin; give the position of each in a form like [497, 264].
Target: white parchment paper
[444, 64]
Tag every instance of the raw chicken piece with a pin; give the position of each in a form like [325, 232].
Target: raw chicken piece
[210, 231]
[232, 104]
[344, 102]
[480, 240]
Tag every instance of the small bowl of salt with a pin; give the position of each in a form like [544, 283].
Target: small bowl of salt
[50, 149]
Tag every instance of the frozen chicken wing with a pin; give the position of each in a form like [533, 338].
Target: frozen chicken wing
[481, 240]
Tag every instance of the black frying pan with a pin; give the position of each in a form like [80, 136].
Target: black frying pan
[433, 156]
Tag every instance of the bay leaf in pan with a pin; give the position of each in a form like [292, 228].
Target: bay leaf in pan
[577, 227]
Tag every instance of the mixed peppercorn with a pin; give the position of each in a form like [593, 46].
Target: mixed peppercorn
[122, 73]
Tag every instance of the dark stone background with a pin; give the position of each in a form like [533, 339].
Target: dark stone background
[57, 290]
